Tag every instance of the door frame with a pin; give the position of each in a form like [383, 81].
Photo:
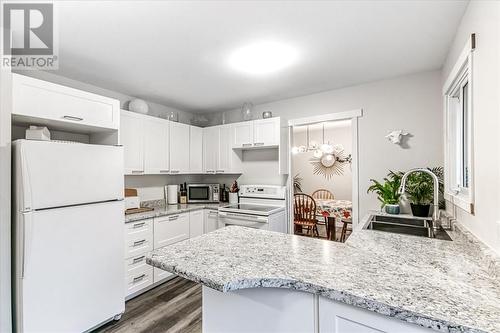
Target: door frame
[351, 115]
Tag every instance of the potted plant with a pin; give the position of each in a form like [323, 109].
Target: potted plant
[388, 192]
[233, 193]
[420, 192]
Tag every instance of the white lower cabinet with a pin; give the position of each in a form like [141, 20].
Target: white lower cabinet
[138, 242]
[170, 229]
[151, 234]
[138, 274]
[196, 223]
[210, 220]
[138, 238]
[336, 317]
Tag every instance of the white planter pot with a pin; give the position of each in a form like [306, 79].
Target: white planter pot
[233, 198]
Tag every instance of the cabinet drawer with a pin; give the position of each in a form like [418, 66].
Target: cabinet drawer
[159, 274]
[138, 241]
[133, 228]
[135, 263]
[170, 229]
[138, 279]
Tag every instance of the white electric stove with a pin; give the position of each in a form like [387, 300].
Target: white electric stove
[260, 206]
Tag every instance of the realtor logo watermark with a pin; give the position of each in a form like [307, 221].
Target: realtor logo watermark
[28, 38]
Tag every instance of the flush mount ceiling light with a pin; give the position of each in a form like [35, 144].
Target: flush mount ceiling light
[262, 58]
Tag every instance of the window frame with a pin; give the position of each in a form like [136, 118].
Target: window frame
[460, 77]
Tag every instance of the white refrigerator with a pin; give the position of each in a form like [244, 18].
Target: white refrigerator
[68, 235]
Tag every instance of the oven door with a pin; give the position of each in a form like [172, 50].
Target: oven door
[244, 220]
[199, 193]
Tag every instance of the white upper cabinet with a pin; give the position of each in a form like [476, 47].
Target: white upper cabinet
[43, 102]
[179, 148]
[266, 132]
[132, 139]
[243, 134]
[224, 149]
[210, 149]
[196, 149]
[156, 147]
[256, 133]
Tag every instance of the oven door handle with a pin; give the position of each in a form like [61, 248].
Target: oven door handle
[243, 217]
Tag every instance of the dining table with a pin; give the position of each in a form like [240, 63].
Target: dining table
[332, 211]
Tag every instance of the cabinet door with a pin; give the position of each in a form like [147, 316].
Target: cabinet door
[196, 223]
[266, 132]
[156, 147]
[179, 148]
[211, 220]
[243, 134]
[170, 229]
[132, 139]
[62, 105]
[196, 149]
[210, 149]
[224, 149]
[336, 317]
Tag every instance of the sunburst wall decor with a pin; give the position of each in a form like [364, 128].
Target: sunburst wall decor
[332, 164]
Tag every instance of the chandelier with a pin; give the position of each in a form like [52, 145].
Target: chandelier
[328, 158]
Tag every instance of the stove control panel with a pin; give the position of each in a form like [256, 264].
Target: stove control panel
[263, 191]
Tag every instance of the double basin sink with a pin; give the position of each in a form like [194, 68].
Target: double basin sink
[408, 225]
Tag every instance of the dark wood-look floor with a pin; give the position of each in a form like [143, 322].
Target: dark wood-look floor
[174, 306]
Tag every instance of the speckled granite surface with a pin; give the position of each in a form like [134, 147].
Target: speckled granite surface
[438, 284]
[170, 210]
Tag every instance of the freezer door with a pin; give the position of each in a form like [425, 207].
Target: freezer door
[69, 267]
[55, 174]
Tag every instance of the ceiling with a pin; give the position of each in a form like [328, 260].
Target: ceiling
[176, 53]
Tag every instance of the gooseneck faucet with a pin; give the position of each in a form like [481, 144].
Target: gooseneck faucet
[435, 180]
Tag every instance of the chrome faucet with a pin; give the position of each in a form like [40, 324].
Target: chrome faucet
[435, 213]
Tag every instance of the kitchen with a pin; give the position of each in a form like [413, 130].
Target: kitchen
[203, 163]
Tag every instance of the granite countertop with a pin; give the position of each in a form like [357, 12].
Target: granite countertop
[163, 210]
[450, 286]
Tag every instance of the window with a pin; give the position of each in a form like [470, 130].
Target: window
[458, 150]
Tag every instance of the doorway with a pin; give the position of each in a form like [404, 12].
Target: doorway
[323, 175]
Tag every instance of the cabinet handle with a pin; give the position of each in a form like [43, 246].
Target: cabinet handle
[140, 242]
[174, 171]
[138, 225]
[258, 144]
[164, 171]
[137, 171]
[210, 171]
[73, 118]
[138, 259]
[247, 145]
[139, 278]
[220, 171]
[171, 218]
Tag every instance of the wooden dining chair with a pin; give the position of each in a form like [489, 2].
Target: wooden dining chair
[304, 214]
[343, 232]
[323, 194]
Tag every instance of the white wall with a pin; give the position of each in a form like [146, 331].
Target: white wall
[412, 103]
[339, 185]
[155, 109]
[482, 18]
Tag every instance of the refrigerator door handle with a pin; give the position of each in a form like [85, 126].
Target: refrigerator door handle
[23, 241]
[22, 247]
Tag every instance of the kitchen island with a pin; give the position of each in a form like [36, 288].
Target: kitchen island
[256, 280]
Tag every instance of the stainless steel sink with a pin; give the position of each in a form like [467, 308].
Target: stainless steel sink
[408, 225]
